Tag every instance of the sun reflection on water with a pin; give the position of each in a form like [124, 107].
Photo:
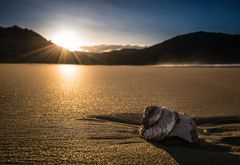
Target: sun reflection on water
[69, 73]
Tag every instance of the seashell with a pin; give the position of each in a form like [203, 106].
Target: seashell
[151, 115]
[159, 123]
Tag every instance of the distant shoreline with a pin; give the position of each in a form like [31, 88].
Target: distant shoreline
[197, 65]
[156, 65]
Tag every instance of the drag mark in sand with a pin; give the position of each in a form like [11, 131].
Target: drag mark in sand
[218, 137]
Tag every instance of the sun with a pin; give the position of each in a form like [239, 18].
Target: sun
[66, 39]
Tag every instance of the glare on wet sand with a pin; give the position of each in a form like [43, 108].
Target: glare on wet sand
[42, 108]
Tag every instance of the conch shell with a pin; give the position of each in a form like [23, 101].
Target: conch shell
[159, 123]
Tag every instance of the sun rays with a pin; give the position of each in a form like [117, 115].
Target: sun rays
[51, 54]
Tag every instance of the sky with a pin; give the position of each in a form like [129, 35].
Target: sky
[121, 22]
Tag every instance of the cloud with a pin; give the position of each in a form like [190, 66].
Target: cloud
[108, 48]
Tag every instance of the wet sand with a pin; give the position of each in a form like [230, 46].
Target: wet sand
[91, 114]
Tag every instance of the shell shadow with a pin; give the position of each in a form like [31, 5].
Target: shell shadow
[205, 152]
[202, 152]
[199, 153]
[121, 118]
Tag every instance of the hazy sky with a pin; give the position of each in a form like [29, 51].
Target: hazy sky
[143, 22]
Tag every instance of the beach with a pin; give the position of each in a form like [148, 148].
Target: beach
[73, 114]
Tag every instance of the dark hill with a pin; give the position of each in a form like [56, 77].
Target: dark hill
[198, 47]
[18, 45]
[201, 47]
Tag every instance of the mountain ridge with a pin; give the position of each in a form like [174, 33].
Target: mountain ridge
[18, 45]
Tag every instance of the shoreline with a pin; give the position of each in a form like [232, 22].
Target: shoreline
[156, 65]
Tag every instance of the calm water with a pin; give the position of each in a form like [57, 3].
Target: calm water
[40, 103]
